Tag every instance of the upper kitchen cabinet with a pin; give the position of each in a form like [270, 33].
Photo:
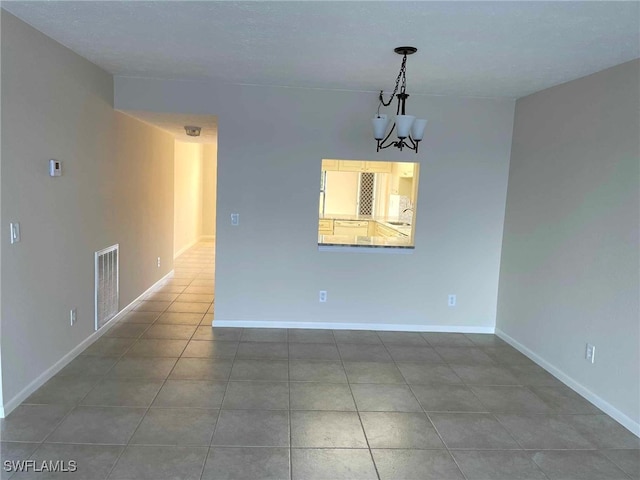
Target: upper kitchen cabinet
[329, 165]
[352, 165]
[365, 166]
[377, 167]
[404, 180]
[403, 169]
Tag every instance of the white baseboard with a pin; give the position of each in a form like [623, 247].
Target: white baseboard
[623, 419]
[48, 374]
[185, 248]
[387, 327]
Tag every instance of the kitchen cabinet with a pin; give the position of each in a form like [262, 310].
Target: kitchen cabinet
[364, 166]
[384, 231]
[325, 226]
[377, 167]
[352, 165]
[330, 165]
[351, 227]
[403, 180]
[403, 169]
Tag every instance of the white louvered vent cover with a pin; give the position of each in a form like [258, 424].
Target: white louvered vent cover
[106, 286]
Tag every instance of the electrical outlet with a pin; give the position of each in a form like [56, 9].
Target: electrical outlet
[322, 296]
[590, 353]
[235, 219]
[451, 301]
[158, 262]
[73, 316]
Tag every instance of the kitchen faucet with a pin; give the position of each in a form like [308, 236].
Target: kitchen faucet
[403, 218]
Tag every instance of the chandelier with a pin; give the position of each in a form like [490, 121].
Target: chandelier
[409, 130]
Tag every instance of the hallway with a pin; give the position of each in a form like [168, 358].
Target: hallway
[164, 396]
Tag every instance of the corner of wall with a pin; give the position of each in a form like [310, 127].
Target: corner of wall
[568, 270]
[598, 401]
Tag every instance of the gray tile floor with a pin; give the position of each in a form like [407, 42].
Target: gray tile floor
[163, 395]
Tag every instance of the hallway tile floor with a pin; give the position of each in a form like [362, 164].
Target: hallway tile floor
[163, 395]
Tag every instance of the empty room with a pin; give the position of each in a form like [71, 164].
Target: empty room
[320, 240]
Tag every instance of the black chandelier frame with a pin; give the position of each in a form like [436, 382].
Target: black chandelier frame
[401, 83]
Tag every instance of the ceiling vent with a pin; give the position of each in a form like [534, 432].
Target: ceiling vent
[192, 131]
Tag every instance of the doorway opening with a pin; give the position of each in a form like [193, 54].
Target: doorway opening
[195, 177]
[194, 233]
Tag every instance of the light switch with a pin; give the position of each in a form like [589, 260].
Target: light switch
[15, 232]
[235, 219]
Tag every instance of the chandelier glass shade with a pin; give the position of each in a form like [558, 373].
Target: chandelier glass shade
[409, 130]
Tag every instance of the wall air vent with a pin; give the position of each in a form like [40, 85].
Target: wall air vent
[107, 290]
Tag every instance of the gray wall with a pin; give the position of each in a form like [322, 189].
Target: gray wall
[2, 414]
[117, 187]
[209, 188]
[270, 145]
[569, 272]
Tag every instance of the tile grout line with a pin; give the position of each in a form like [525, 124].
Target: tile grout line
[189, 341]
[113, 467]
[446, 447]
[364, 433]
[289, 411]
[206, 457]
[493, 415]
[224, 395]
[629, 475]
[124, 448]
[151, 402]
[540, 468]
[77, 404]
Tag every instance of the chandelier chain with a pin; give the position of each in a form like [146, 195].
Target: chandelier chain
[401, 76]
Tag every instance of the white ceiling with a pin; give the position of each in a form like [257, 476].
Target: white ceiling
[503, 49]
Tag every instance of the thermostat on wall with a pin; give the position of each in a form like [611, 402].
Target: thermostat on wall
[55, 168]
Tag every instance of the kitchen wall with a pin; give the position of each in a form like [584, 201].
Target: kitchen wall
[270, 144]
[116, 187]
[209, 189]
[188, 195]
[570, 257]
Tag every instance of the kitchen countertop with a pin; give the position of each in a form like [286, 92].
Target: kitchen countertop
[340, 216]
[362, 241]
[402, 229]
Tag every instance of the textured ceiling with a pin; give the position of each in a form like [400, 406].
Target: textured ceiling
[174, 124]
[504, 49]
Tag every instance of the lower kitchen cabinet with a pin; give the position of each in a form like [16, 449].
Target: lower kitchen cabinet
[325, 226]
